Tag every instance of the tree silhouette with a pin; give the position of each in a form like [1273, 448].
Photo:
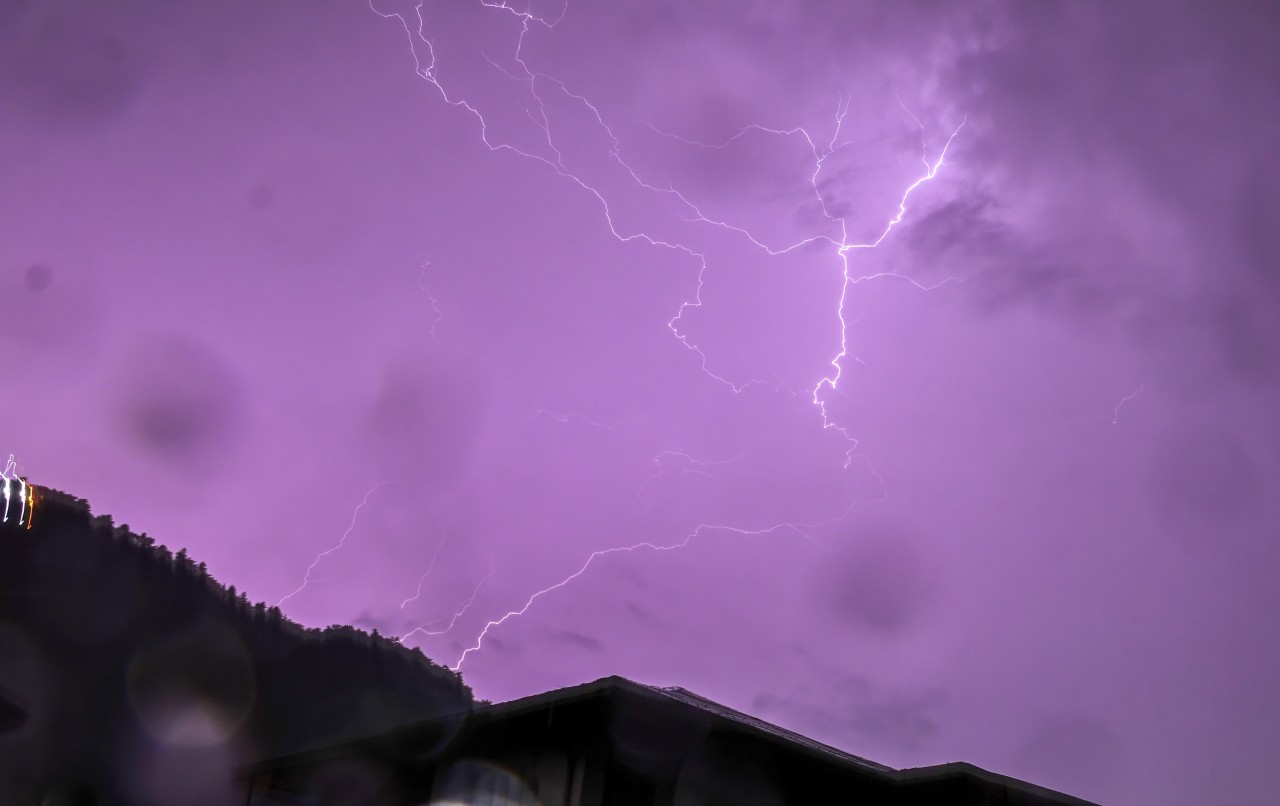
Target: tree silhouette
[119, 630]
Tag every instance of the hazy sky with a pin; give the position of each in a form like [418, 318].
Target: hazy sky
[476, 293]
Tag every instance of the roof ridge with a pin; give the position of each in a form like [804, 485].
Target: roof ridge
[682, 694]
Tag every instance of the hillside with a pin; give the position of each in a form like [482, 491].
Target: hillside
[128, 674]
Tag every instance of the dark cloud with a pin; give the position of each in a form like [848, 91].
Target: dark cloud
[1138, 185]
[498, 645]
[1248, 336]
[261, 196]
[1000, 267]
[1204, 480]
[53, 309]
[965, 225]
[1047, 114]
[643, 614]
[878, 581]
[64, 70]
[175, 401]
[577, 639]
[426, 418]
[1253, 207]
[37, 277]
[392, 624]
[851, 706]
[1074, 749]
[906, 723]
[309, 210]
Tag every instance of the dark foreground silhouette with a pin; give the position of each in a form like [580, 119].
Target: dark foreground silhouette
[129, 675]
[615, 743]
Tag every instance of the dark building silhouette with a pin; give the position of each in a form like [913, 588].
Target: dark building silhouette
[615, 743]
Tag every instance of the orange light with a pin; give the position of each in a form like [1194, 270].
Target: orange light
[31, 504]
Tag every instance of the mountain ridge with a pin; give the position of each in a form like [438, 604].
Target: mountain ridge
[135, 671]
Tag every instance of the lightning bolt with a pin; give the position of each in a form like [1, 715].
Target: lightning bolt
[457, 613]
[426, 69]
[425, 66]
[435, 303]
[802, 529]
[690, 462]
[355, 514]
[431, 565]
[565, 419]
[1115, 414]
[832, 381]
[689, 465]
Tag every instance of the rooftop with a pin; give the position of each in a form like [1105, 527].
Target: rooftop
[683, 703]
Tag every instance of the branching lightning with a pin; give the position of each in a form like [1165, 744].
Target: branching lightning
[458, 612]
[832, 381]
[424, 56]
[355, 514]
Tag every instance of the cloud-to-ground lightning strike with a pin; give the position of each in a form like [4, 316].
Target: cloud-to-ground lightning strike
[354, 514]
[26, 493]
[424, 56]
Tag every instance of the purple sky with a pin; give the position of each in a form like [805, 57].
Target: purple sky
[260, 265]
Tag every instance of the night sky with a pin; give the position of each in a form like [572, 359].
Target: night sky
[404, 317]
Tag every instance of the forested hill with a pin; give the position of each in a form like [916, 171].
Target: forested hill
[120, 660]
